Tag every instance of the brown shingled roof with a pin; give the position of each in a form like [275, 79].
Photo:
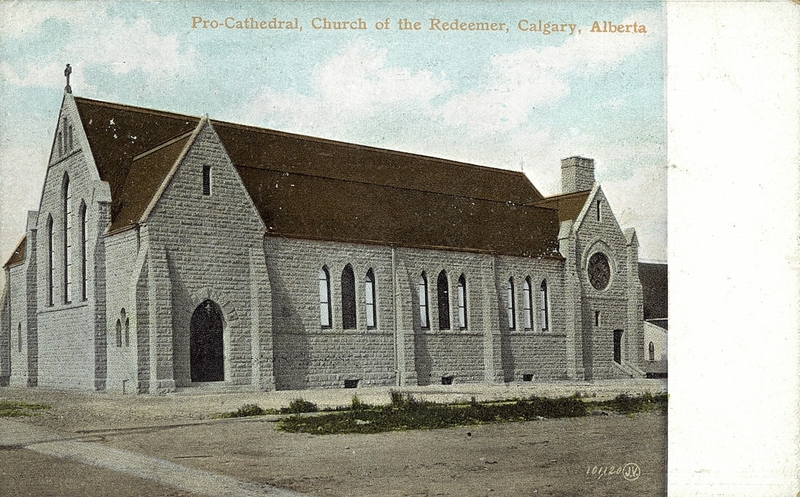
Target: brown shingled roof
[19, 253]
[569, 205]
[322, 189]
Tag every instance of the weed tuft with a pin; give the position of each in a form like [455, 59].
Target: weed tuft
[298, 406]
[10, 408]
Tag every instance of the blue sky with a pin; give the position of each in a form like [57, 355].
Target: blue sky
[514, 100]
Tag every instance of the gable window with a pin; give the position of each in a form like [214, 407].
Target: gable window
[84, 246]
[68, 259]
[60, 141]
[652, 351]
[527, 305]
[69, 137]
[324, 297]
[512, 324]
[599, 214]
[348, 298]
[369, 298]
[462, 302]
[443, 297]
[206, 180]
[422, 292]
[51, 269]
[543, 312]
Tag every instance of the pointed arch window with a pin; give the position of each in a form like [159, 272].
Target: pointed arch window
[651, 349]
[462, 302]
[119, 333]
[369, 298]
[527, 305]
[512, 324]
[324, 297]
[51, 268]
[68, 249]
[443, 298]
[84, 246]
[422, 292]
[348, 298]
[543, 310]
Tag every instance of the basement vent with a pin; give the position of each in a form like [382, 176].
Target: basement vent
[527, 377]
[447, 380]
[351, 383]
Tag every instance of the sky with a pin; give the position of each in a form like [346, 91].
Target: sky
[512, 99]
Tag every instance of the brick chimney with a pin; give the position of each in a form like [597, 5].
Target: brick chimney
[577, 174]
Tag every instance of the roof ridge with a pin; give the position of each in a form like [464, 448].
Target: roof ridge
[143, 110]
[370, 147]
[162, 145]
[332, 178]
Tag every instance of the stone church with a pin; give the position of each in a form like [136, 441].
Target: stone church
[173, 251]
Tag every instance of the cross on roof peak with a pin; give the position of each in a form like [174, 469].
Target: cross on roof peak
[67, 72]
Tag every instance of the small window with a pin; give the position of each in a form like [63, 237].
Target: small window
[69, 137]
[119, 333]
[543, 301]
[206, 180]
[19, 338]
[127, 332]
[84, 247]
[510, 298]
[462, 302]
[324, 298]
[599, 212]
[369, 298]
[51, 250]
[527, 304]
[348, 298]
[443, 297]
[652, 351]
[422, 291]
[597, 318]
[68, 247]
[60, 141]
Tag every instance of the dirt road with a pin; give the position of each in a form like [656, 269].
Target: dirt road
[559, 457]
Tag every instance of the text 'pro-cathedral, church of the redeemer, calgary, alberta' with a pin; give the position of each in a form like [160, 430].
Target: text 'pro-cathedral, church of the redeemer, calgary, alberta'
[173, 251]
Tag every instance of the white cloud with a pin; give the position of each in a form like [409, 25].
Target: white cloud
[353, 85]
[94, 39]
[517, 82]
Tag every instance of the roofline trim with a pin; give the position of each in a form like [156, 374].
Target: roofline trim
[163, 145]
[384, 243]
[168, 178]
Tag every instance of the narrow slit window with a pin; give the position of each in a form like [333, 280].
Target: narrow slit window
[527, 305]
[19, 338]
[51, 249]
[348, 298]
[422, 292]
[543, 311]
[127, 332]
[119, 333]
[206, 180]
[462, 302]
[68, 256]
[443, 298]
[599, 212]
[84, 247]
[369, 298]
[597, 318]
[652, 351]
[324, 298]
[512, 324]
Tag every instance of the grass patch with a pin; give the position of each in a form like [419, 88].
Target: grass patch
[10, 408]
[408, 413]
[627, 404]
[246, 410]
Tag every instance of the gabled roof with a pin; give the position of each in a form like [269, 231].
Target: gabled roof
[19, 253]
[569, 205]
[322, 189]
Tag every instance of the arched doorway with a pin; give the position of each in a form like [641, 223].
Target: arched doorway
[205, 346]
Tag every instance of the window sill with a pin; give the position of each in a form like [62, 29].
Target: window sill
[63, 307]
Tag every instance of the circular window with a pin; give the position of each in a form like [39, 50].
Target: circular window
[599, 271]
